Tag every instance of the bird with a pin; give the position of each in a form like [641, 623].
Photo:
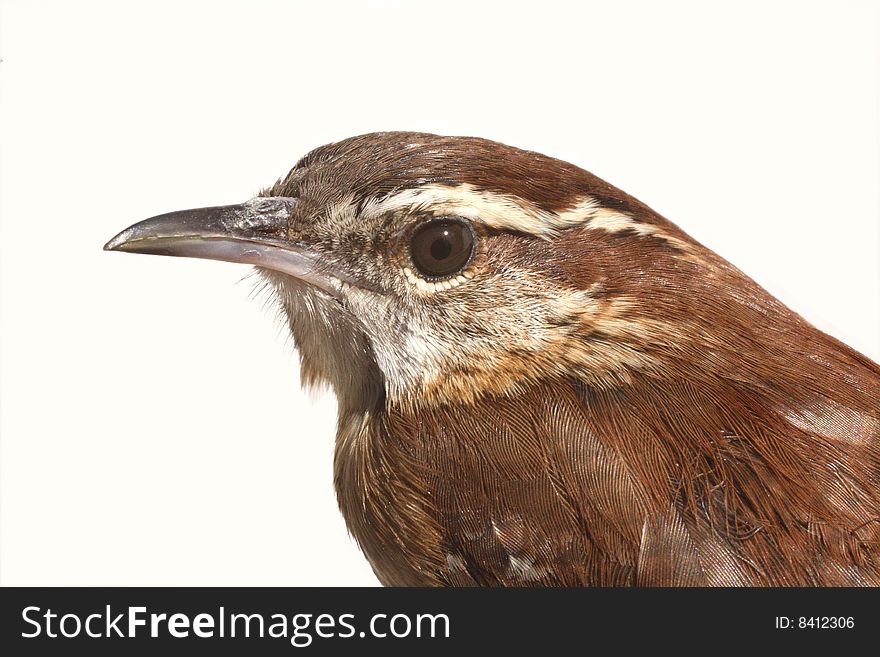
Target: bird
[541, 381]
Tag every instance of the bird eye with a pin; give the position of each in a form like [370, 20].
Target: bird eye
[441, 248]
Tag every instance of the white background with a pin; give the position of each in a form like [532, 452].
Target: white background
[152, 428]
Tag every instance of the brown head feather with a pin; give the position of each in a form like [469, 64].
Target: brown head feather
[379, 164]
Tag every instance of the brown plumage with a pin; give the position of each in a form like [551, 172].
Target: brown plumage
[541, 381]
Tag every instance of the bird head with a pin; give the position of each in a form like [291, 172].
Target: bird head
[429, 269]
[423, 270]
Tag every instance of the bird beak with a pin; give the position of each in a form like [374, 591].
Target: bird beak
[253, 233]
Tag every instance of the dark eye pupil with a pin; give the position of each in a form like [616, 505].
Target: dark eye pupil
[441, 248]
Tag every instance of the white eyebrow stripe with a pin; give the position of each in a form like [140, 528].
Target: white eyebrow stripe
[612, 221]
[500, 211]
[507, 212]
